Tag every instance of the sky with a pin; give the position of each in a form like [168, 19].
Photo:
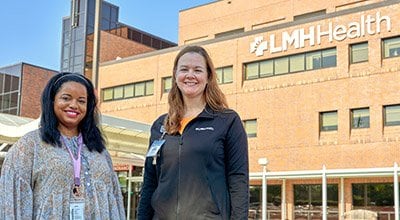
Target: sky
[31, 29]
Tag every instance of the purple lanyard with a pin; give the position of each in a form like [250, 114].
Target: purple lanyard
[76, 161]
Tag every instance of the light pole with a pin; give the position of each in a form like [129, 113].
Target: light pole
[263, 162]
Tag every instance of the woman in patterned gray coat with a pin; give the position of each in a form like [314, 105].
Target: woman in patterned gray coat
[62, 170]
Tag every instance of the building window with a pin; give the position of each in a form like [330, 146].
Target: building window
[274, 193]
[224, 74]
[266, 68]
[107, 94]
[392, 115]
[360, 118]
[251, 127]
[373, 195]
[291, 64]
[166, 84]
[138, 89]
[328, 121]
[129, 91]
[297, 63]
[359, 52]
[119, 92]
[329, 58]
[281, 65]
[9, 92]
[149, 87]
[391, 47]
[308, 200]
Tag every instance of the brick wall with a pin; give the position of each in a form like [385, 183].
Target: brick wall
[34, 79]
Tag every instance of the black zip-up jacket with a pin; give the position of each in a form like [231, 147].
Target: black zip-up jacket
[201, 174]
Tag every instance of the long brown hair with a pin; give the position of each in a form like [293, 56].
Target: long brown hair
[213, 95]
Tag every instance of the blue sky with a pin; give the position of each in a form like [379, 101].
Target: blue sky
[31, 29]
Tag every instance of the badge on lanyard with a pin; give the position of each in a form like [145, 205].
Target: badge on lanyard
[77, 210]
[155, 147]
[77, 205]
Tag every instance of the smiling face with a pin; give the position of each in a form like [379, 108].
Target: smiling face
[70, 105]
[191, 75]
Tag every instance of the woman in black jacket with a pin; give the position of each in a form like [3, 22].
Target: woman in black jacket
[197, 163]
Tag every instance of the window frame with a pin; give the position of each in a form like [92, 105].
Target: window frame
[164, 81]
[352, 124]
[385, 122]
[353, 50]
[250, 135]
[387, 41]
[323, 128]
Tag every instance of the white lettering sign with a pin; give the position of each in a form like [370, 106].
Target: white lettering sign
[298, 38]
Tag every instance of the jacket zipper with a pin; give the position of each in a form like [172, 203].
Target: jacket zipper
[179, 176]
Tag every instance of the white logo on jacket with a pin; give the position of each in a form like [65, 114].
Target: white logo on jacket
[205, 129]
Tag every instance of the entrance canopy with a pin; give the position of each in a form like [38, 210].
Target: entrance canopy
[127, 141]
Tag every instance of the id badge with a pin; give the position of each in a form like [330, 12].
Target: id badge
[77, 210]
[155, 147]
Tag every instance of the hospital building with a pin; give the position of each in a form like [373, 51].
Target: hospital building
[316, 84]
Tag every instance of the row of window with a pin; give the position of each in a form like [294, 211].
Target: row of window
[131, 90]
[359, 118]
[329, 120]
[309, 196]
[359, 51]
[265, 68]
[291, 64]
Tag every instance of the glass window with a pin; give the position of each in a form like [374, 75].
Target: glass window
[6, 101]
[107, 94]
[14, 99]
[281, 65]
[251, 70]
[391, 47]
[166, 84]
[392, 115]
[1, 82]
[251, 127]
[149, 87]
[119, 92]
[297, 63]
[224, 75]
[359, 52]
[313, 60]
[274, 193]
[308, 201]
[360, 118]
[139, 89]
[373, 194]
[329, 58]
[329, 121]
[7, 83]
[128, 91]
[266, 68]
[14, 83]
[1, 102]
[218, 72]
[228, 71]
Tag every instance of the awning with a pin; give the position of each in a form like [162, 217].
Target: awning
[127, 140]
